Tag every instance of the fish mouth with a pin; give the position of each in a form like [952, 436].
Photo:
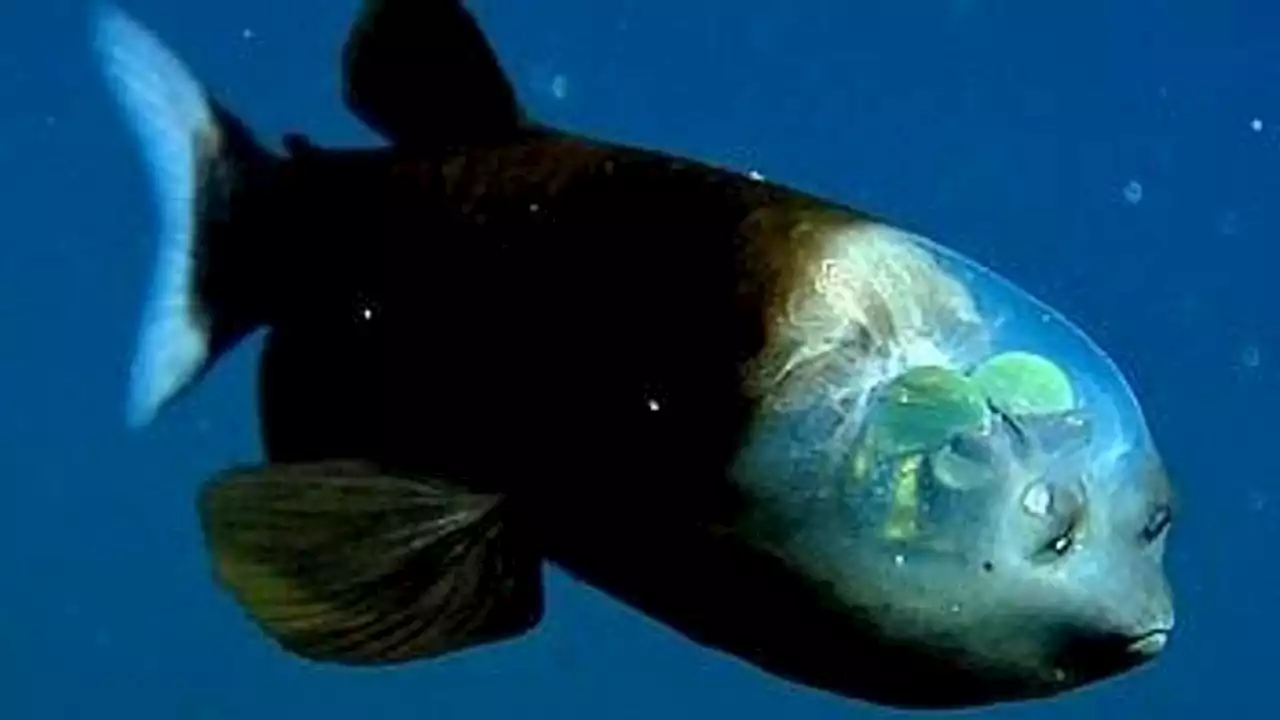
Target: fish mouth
[1150, 643]
[1100, 656]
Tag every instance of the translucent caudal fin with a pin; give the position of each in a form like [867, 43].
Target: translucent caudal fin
[202, 165]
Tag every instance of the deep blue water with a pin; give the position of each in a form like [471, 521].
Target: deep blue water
[1009, 130]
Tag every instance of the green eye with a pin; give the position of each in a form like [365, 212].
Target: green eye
[925, 407]
[917, 413]
[1025, 384]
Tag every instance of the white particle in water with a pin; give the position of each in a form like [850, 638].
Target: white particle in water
[1230, 223]
[560, 86]
[1133, 192]
[1256, 125]
[1251, 356]
[1258, 501]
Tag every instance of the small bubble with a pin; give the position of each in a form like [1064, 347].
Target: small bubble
[1230, 223]
[1258, 501]
[1251, 357]
[560, 86]
[1256, 125]
[1133, 192]
[654, 405]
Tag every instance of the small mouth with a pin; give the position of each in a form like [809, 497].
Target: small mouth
[1102, 656]
[1150, 643]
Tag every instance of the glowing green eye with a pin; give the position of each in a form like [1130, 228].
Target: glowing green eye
[925, 407]
[1025, 384]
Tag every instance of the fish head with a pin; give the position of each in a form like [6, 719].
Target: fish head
[966, 480]
[1046, 581]
[1020, 559]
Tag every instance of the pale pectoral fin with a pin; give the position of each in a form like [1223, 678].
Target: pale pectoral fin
[342, 563]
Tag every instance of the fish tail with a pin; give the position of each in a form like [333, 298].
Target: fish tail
[208, 178]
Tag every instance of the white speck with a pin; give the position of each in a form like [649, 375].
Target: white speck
[1256, 125]
[1251, 357]
[654, 406]
[755, 175]
[1133, 192]
[1230, 223]
[368, 313]
[534, 207]
[1036, 500]
[560, 86]
[899, 560]
[955, 609]
[248, 34]
[1257, 501]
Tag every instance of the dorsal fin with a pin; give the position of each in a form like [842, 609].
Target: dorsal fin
[421, 73]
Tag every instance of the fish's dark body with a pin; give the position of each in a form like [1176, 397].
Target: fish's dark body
[490, 344]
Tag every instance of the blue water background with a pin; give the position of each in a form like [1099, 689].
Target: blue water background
[1009, 130]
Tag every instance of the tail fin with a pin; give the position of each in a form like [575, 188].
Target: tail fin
[204, 166]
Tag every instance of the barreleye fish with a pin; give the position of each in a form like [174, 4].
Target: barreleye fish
[795, 432]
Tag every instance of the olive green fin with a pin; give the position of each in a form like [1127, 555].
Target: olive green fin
[339, 562]
[422, 74]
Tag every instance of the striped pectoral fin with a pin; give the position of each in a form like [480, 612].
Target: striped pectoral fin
[339, 562]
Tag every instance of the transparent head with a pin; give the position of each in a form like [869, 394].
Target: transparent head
[962, 470]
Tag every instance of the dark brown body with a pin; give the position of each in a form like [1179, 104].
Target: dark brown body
[512, 317]
[465, 299]
[491, 344]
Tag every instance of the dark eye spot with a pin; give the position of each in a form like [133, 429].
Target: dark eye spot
[1062, 538]
[1056, 549]
[1059, 509]
[988, 566]
[1062, 544]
